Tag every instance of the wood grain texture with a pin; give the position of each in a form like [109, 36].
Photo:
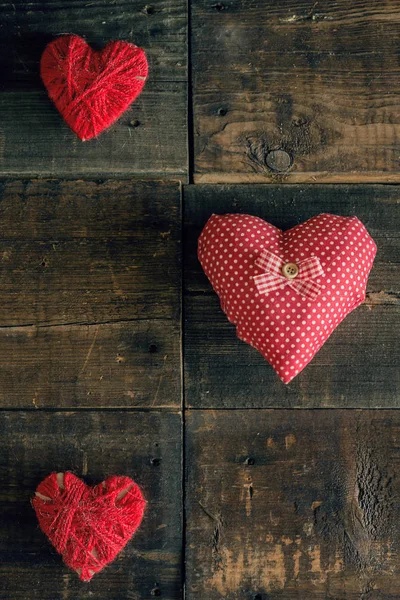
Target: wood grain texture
[317, 80]
[145, 446]
[124, 364]
[357, 366]
[150, 138]
[289, 505]
[90, 293]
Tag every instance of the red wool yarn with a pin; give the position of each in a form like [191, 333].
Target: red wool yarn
[88, 526]
[91, 89]
[286, 292]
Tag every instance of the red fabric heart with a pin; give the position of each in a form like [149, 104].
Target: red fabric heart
[286, 312]
[88, 526]
[92, 89]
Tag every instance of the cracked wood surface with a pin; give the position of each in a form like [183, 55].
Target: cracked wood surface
[317, 81]
[94, 445]
[356, 367]
[148, 139]
[292, 504]
[90, 290]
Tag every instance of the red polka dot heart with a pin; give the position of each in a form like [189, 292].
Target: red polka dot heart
[286, 292]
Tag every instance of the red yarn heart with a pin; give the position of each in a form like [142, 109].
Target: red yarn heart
[287, 291]
[92, 89]
[88, 526]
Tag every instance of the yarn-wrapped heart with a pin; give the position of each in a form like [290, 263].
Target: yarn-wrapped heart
[88, 526]
[91, 89]
[286, 291]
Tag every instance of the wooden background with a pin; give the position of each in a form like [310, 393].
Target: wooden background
[115, 356]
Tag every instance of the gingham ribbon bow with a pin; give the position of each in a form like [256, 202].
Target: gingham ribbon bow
[304, 283]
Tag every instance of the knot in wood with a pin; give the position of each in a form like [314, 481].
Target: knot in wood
[278, 160]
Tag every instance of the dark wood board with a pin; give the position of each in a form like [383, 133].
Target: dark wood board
[90, 293]
[317, 80]
[357, 366]
[149, 139]
[143, 445]
[285, 505]
[124, 364]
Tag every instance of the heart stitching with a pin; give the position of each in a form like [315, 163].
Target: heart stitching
[91, 89]
[88, 526]
[286, 291]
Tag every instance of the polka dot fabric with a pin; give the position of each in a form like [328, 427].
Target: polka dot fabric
[285, 326]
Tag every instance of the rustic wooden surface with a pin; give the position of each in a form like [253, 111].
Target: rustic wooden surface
[90, 294]
[149, 139]
[289, 505]
[357, 366]
[317, 80]
[281, 504]
[143, 445]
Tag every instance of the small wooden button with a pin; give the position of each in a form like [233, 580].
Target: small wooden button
[290, 270]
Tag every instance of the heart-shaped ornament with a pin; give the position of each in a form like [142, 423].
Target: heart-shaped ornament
[286, 291]
[91, 89]
[88, 526]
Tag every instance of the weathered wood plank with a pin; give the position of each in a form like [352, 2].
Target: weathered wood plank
[124, 364]
[90, 275]
[150, 138]
[292, 504]
[357, 366]
[142, 445]
[316, 80]
[88, 251]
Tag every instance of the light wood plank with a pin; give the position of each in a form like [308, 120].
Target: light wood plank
[292, 504]
[318, 81]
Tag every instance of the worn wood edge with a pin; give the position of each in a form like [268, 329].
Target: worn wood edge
[146, 178]
[277, 409]
[180, 177]
[263, 178]
[288, 178]
[100, 412]
[372, 298]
